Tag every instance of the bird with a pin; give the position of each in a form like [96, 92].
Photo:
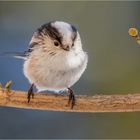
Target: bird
[54, 60]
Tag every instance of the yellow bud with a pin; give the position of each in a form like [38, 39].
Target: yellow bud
[0, 86]
[8, 85]
[138, 41]
[133, 32]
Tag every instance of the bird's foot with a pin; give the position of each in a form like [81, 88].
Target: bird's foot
[71, 100]
[30, 93]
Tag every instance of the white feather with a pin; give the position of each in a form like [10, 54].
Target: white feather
[60, 71]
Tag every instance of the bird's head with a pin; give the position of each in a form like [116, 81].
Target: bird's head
[56, 36]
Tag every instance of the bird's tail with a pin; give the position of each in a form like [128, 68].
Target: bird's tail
[19, 55]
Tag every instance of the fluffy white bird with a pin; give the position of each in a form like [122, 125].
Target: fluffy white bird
[55, 59]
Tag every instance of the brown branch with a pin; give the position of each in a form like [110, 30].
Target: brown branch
[97, 103]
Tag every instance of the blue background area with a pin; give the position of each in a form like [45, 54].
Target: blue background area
[113, 67]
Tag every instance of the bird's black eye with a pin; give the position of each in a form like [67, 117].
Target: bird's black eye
[56, 43]
[72, 44]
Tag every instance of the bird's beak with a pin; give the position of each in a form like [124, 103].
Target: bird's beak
[66, 47]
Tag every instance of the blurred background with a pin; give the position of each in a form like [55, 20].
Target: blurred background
[113, 68]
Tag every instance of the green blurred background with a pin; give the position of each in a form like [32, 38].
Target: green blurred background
[113, 68]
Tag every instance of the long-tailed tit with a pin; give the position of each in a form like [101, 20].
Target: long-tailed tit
[55, 59]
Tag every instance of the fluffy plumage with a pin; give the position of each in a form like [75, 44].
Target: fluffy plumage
[55, 59]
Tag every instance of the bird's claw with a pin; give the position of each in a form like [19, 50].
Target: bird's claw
[71, 100]
[30, 93]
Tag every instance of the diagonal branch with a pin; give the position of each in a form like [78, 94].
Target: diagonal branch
[97, 103]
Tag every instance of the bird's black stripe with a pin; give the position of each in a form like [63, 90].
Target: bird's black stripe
[48, 29]
[74, 33]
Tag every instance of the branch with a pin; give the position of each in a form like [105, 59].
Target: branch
[97, 103]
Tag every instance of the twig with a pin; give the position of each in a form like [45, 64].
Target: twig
[97, 103]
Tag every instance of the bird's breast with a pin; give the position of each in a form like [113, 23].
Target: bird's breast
[56, 73]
